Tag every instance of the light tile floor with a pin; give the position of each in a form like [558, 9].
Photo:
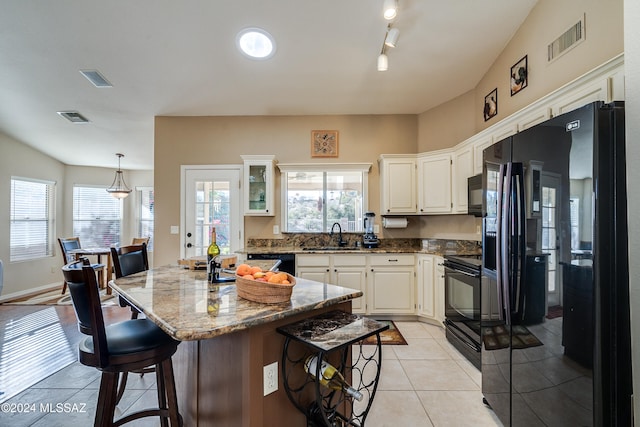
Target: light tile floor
[425, 383]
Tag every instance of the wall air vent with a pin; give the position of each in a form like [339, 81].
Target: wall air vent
[97, 79]
[569, 39]
[73, 116]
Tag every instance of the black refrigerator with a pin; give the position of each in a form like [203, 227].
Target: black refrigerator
[555, 325]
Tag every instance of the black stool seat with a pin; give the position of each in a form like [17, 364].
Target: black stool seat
[139, 337]
[120, 348]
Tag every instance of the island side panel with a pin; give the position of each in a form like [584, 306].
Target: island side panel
[227, 378]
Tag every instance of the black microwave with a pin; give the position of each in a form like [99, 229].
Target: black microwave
[474, 199]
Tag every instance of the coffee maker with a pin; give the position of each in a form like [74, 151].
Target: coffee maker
[369, 240]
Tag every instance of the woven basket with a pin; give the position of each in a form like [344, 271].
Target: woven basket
[264, 292]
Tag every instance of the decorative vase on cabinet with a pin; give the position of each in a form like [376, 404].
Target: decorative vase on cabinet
[258, 185]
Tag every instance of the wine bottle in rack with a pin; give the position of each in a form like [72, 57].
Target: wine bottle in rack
[330, 377]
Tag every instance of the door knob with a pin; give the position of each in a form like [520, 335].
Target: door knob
[189, 245]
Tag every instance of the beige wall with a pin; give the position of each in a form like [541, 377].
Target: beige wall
[548, 20]
[17, 159]
[221, 140]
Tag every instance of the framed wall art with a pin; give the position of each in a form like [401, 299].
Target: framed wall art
[324, 143]
[490, 104]
[519, 76]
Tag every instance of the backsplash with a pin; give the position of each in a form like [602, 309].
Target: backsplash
[305, 240]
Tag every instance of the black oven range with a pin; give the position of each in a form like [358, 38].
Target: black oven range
[462, 277]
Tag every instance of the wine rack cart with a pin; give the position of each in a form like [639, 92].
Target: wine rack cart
[338, 338]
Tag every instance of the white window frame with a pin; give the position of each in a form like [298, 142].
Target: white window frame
[31, 251]
[364, 168]
[140, 220]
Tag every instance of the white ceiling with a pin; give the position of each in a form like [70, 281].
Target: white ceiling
[168, 57]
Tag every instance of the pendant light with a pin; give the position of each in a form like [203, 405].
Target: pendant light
[119, 188]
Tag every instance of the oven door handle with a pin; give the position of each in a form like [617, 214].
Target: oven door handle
[465, 273]
[461, 336]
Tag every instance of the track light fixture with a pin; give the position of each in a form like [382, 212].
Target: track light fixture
[390, 9]
[383, 61]
[392, 36]
[119, 188]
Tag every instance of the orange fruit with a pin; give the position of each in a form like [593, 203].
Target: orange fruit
[248, 276]
[255, 269]
[243, 269]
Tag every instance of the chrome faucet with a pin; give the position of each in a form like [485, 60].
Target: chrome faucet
[340, 241]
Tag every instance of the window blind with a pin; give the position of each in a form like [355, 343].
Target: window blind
[97, 217]
[31, 219]
[146, 214]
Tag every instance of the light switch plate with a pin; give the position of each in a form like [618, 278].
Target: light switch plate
[175, 229]
[276, 229]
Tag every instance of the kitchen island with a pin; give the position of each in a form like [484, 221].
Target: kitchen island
[226, 342]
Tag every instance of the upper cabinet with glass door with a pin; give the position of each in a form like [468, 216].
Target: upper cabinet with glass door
[258, 184]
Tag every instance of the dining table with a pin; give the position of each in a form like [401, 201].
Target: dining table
[99, 253]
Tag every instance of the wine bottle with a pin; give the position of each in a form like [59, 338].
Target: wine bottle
[330, 377]
[212, 251]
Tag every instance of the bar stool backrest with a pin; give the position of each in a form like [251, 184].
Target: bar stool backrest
[130, 259]
[87, 305]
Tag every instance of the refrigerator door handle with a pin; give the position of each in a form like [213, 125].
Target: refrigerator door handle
[504, 228]
[521, 233]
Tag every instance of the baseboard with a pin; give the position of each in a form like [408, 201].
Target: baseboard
[30, 292]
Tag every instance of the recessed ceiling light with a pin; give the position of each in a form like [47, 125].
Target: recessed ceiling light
[73, 116]
[97, 79]
[256, 43]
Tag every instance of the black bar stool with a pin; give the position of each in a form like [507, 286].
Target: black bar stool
[129, 260]
[121, 347]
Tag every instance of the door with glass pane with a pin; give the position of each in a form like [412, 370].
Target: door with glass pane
[211, 199]
[550, 236]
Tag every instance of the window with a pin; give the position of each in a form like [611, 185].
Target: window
[315, 199]
[97, 217]
[32, 219]
[145, 214]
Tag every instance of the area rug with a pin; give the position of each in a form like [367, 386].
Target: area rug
[54, 297]
[497, 337]
[554, 312]
[391, 336]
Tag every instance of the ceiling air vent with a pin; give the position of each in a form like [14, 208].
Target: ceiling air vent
[570, 38]
[97, 79]
[73, 116]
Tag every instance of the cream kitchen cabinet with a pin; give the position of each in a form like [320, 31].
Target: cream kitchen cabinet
[258, 185]
[348, 270]
[479, 143]
[434, 183]
[431, 287]
[391, 284]
[397, 184]
[462, 169]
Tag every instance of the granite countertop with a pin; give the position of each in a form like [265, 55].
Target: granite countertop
[176, 299]
[364, 251]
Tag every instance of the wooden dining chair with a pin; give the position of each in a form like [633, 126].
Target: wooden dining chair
[140, 240]
[68, 244]
[121, 347]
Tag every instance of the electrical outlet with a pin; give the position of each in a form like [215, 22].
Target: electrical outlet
[477, 229]
[276, 229]
[270, 380]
